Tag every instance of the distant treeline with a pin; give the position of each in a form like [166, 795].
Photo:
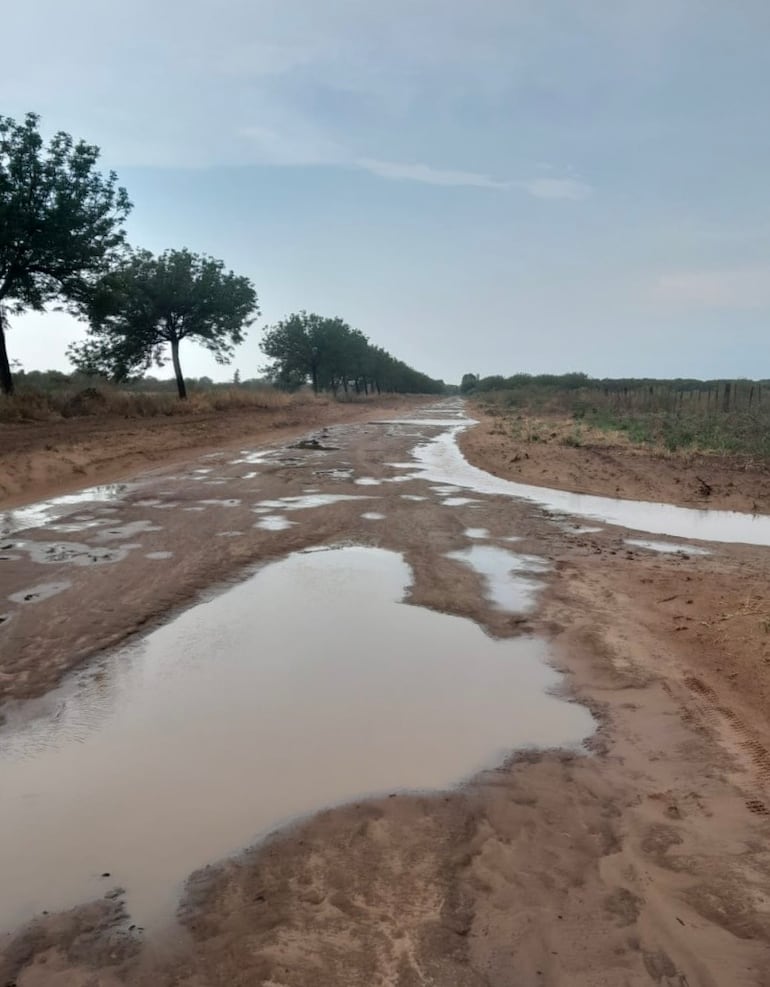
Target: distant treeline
[627, 393]
[332, 356]
[50, 381]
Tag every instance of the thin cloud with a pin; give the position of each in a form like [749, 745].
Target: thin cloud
[397, 171]
[296, 145]
[556, 188]
[539, 188]
[735, 288]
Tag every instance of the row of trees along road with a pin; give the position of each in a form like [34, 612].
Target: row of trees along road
[62, 241]
[332, 355]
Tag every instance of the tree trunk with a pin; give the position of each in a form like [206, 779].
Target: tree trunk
[180, 384]
[314, 374]
[6, 378]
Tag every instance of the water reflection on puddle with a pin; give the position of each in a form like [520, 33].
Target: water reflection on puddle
[440, 461]
[248, 710]
[667, 547]
[42, 513]
[274, 522]
[307, 501]
[510, 585]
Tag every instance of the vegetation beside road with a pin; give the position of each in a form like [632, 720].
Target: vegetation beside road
[730, 417]
[76, 396]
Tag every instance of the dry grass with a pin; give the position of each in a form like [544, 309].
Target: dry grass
[106, 401]
[659, 418]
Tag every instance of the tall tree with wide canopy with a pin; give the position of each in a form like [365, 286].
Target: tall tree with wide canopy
[60, 221]
[140, 312]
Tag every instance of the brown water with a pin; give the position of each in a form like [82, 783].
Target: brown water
[308, 684]
[440, 461]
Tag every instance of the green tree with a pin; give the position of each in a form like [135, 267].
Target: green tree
[60, 221]
[141, 311]
[468, 382]
[332, 355]
[289, 345]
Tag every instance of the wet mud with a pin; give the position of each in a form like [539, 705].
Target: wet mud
[412, 623]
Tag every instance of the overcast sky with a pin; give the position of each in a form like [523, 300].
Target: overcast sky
[479, 185]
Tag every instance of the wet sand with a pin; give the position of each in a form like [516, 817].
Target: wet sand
[641, 860]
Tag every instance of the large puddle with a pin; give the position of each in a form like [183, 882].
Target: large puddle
[309, 684]
[441, 461]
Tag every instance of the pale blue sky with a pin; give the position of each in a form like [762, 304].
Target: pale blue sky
[529, 185]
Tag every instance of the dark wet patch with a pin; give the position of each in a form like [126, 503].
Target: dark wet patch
[314, 444]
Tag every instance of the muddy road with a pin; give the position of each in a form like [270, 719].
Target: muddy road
[348, 710]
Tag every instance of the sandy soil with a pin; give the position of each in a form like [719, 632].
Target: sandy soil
[643, 861]
[538, 450]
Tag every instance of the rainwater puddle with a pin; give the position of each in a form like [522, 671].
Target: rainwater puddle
[477, 533]
[254, 457]
[36, 594]
[250, 710]
[70, 527]
[42, 513]
[510, 585]
[128, 530]
[667, 547]
[307, 501]
[373, 516]
[274, 522]
[441, 461]
[437, 422]
[56, 553]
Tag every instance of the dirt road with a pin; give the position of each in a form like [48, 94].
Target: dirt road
[49, 458]
[640, 859]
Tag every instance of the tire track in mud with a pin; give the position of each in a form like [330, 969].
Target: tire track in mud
[756, 751]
